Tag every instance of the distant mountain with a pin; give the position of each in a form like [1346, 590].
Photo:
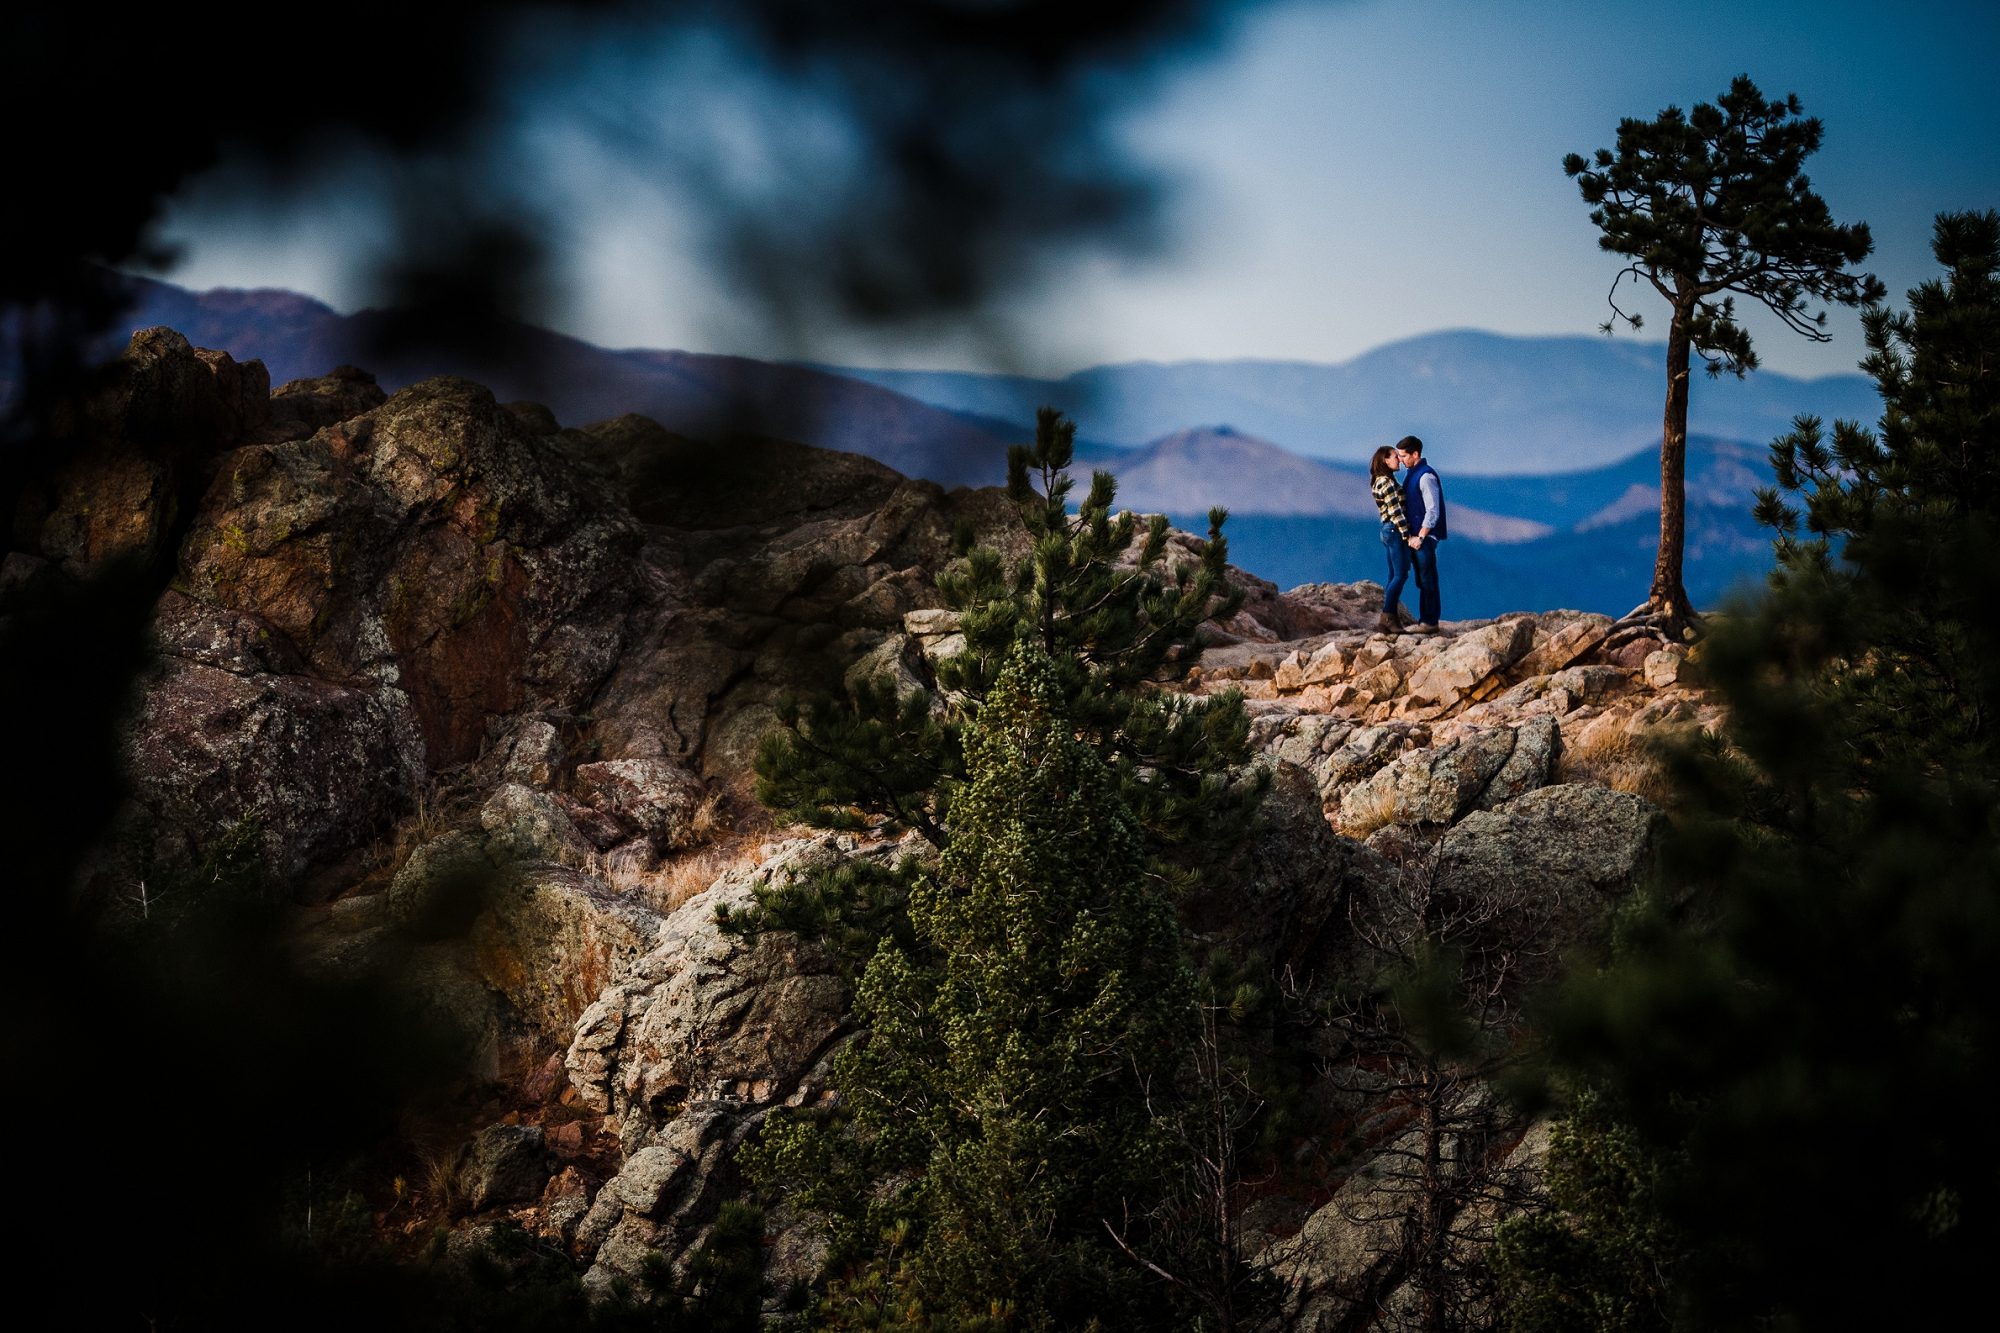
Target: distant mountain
[1191, 470]
[694, 394]
[1483, 403]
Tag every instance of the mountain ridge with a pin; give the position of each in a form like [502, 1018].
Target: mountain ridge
[1485, 403]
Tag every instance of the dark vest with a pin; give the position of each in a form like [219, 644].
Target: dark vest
[1413, 502]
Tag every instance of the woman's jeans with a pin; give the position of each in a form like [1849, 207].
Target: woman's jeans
[1399, 554]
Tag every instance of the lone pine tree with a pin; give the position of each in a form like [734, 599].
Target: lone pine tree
[1109, 628]
[1000, 1111]
[1705, 204]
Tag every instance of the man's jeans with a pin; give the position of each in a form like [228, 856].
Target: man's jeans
[1399, 554]
[1424, 563]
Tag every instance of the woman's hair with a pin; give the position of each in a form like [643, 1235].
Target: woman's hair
[1380, 465]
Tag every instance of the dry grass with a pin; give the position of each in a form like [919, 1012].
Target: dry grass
[711, 819]
[1620, 761]
[687, 874]
[410, 833]
[440, 1178]
[1366, 809]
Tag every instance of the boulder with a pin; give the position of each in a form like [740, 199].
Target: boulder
[1663, 668]
[1430, 786]
[1343, 1262]
[936, 633]
[551, 940]
[1537, 746]
[1453, 674]
[1292, 879]
[444, 885]
[1574, 847]
[565, 1200]
[648, 798]
[1347, 1265]
[320, 767]
[1575, 634]
[1381, 680]
[1363, 752]
[529, 752]
[229, 729]
[504, 1164]
[1591, 684]
[889, 660]
[529, 825]
[1325, 666]
[1310, 741]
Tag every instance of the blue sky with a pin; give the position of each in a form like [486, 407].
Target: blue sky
[1345, 175]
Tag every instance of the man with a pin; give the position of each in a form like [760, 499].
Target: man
[1423, 501]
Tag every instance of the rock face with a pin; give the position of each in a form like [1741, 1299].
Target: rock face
[1431, 786]
[707, 1015]
[232, 728]
[432, 546]
[1576, 847]
[1293, 883]
[706, 1035]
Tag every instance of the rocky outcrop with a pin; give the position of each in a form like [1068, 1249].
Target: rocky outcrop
[433, 546]
[1291, 883]
[564, 646]
[232, 728]
[708, 1033]
[1575, 848]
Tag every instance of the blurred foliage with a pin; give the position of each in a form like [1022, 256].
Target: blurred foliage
[1601, 1258]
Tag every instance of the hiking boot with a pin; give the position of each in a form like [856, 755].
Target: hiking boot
[1424, 627]
[1387, 624]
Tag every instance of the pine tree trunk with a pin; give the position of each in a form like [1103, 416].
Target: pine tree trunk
[1430, 1262]
[1669, 598]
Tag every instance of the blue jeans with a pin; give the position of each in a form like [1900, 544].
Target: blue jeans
[1424, 563]
[1399, 554]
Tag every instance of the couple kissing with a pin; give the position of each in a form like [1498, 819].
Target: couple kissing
[1412, 525]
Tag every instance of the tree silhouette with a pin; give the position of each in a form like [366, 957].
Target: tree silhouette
[1706, 204]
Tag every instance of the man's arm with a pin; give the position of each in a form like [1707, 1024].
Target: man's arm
[1433, 501]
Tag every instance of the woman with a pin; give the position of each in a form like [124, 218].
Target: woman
[1388, 493]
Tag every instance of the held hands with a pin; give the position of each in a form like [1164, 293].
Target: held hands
[1416, 543]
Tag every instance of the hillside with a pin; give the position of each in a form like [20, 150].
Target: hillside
[687, 392]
